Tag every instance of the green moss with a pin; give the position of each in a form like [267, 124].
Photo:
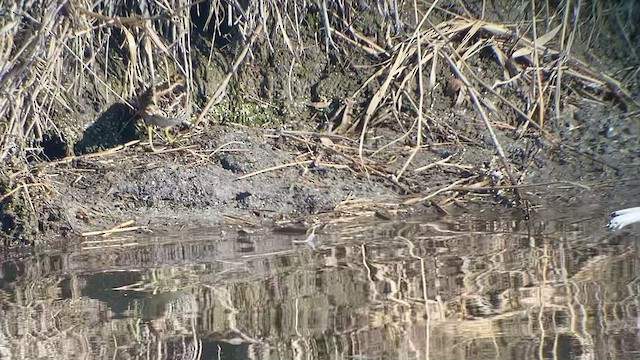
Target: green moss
[237, 109]
[246, 113]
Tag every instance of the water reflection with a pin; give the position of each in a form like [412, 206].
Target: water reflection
[465, 288]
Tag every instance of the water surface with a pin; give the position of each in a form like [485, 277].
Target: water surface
[463, 288]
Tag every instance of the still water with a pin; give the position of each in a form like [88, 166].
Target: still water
[463, 288]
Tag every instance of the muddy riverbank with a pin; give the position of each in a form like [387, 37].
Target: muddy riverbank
[311, 132]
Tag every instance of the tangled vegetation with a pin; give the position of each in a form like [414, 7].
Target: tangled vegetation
[411, 67]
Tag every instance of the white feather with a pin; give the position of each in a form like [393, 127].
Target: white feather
[624, 217]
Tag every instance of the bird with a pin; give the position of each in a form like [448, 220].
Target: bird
[624, 217]
[164, 105]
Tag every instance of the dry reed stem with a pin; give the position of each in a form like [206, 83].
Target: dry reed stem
[441, 162]
[375, 101]
[481, 188]
[421, 93]
[120, 228]
[277, 167]
[23, 187]
[450, 187]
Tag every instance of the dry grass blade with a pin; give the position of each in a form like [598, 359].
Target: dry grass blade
[537, 44]
[539, 104]
[434, 164]
[283, 31]
[376, 99]
[104, 153]
[273, 168]
[450, 187]
[120, 228]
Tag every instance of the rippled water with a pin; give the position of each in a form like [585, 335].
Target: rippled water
[464, 288]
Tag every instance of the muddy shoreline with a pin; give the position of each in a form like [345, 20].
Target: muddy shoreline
[255, 181]
[346, 132]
